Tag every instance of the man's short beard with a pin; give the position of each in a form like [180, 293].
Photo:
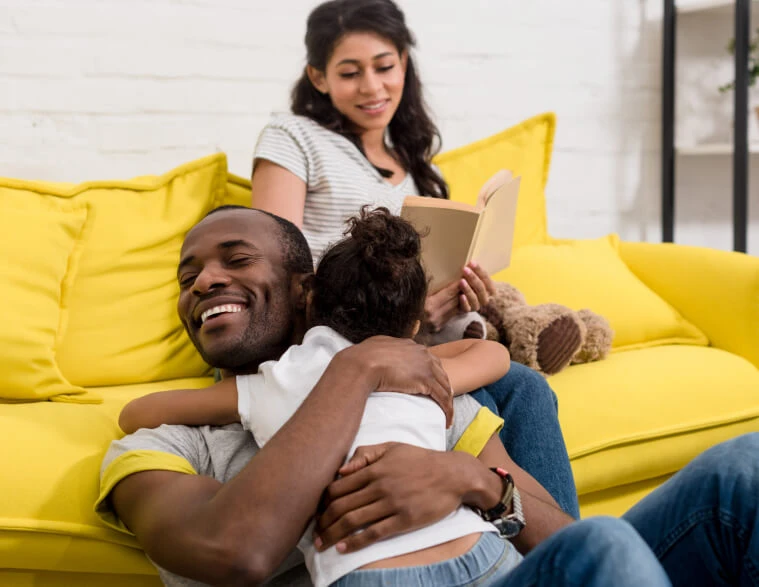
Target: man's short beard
[254, 347]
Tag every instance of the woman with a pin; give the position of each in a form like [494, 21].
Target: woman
[359, 134]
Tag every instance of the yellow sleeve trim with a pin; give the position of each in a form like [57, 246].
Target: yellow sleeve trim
[479, 431]
[129, 463]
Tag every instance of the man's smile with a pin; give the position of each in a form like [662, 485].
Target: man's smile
[223, 309]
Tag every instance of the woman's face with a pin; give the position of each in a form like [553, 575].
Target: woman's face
[364, 79]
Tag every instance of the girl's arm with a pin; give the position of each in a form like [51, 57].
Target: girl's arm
[278, 191]
[471, 363]
[214, 406]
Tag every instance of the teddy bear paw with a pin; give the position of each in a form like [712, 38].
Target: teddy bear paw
[557, 344]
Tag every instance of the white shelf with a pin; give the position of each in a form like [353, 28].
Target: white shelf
[694, 6]
[713, 149]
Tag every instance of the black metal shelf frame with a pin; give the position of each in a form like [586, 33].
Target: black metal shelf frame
[740, 135]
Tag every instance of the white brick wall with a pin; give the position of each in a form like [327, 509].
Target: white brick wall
[113, 88]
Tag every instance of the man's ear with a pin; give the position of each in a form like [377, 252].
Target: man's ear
[317, 79]
[301, 288]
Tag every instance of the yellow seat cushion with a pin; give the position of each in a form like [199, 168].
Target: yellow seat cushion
[122, 324]
[524, 149]
[47, 520]
[645, 413]
[590, 274]
[42, 245]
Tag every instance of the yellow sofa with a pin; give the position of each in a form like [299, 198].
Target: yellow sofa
[89, 323]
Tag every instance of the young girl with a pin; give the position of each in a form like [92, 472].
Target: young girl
[359, 133]
[370, 283]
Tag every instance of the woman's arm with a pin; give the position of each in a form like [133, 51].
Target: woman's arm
[215, 406]
[278, 191]
[472, 363]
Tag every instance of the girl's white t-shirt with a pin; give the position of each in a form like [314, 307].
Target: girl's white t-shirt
[269, 398]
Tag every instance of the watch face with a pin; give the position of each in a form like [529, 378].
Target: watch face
[510, 528]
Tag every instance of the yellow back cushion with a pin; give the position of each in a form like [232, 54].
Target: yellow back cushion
[42, 245]
[123, 325]
[524, 149]
[590, 274]
[238, 191]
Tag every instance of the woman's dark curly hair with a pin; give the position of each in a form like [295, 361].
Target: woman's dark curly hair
[372, 281]
[414, 136]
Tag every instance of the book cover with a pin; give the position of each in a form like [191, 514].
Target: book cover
[454, 233]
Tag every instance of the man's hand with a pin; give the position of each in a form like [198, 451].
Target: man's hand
[388, 489]
[403, 366]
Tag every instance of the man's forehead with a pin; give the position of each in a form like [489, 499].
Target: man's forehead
[250, 226]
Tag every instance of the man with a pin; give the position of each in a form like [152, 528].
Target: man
[206, 503]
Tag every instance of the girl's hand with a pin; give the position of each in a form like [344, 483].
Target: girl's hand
[476, 289]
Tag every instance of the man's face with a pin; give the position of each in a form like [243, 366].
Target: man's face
[234, 298]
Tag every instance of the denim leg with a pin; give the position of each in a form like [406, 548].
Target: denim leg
[596, 552]
[531, 433]
[702, 523]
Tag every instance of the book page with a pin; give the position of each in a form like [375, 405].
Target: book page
[446, 240]
[495, 235]
[424, 202]
[491, 186]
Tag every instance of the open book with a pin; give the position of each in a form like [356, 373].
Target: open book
[454, 233]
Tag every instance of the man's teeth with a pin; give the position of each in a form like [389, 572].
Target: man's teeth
[225, 309]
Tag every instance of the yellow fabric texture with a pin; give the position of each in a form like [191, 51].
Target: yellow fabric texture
[42, 245]
[123, 325]
[645, 413]
[476, 436]
[716, 290]
[47, 519]
[23, 578]
[524, 149]
[129, 463]
[238, 191]
[590, 274]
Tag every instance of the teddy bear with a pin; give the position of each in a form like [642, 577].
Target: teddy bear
[545, 337]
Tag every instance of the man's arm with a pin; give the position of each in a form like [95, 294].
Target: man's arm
[412, 487]
[542, 513]
[239, 532]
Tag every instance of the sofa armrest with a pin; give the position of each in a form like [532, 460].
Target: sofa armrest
[718, 291]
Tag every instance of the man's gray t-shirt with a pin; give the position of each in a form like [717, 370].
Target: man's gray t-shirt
[222, 452]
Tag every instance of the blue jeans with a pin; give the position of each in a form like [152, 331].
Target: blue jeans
[486, 564]
[531, 433]
[702, 523]
[597, 552]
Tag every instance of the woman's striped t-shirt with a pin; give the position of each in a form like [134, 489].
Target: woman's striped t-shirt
[339, 179]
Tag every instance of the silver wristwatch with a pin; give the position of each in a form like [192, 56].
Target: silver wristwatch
[509, 524]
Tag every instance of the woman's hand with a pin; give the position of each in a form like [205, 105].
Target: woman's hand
[401, 365]
[441, 306]
[476, 288]
[387, 489]
[469, 294]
